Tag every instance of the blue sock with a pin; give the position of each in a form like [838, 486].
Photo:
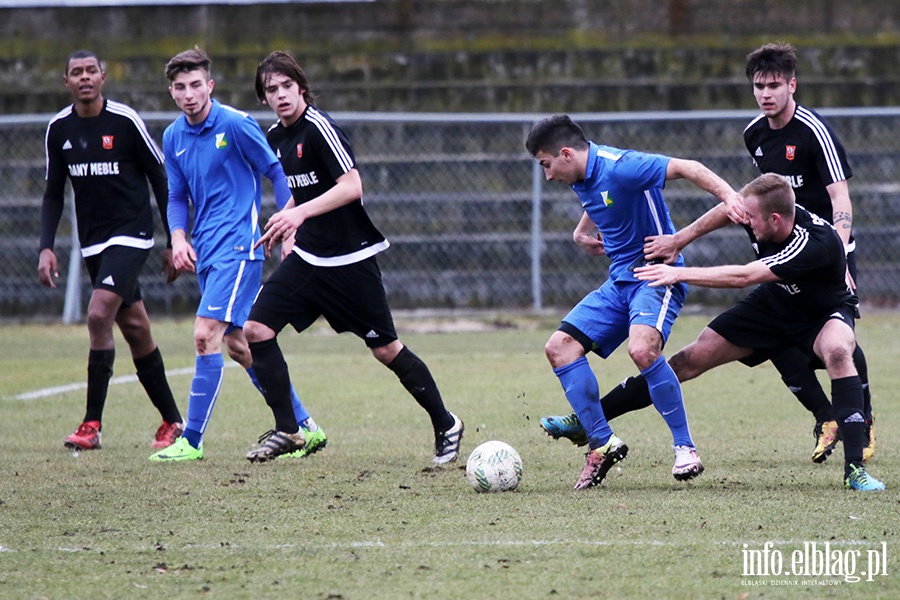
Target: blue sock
[299, 410]
[204, 391]
[665, 391]
[583, 393]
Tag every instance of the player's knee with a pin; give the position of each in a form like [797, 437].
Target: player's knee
[643, 355]
[562, 349]
[257, 332]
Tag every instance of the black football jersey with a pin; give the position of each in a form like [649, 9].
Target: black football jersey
[805, 151]
[811, 264]
[109, 159]
[314, 153]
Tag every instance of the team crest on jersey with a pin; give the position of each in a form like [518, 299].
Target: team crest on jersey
[108, 142]
[299, 150]
[606, 199]
[221, 142]
[790, 152]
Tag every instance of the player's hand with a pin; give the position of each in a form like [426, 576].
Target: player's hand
[287, 244]
[183, 256]
[658, 274]
[735, 205]
[48, 270]
[661, 247]
[591, 244]
[168, 266]
[279, 227]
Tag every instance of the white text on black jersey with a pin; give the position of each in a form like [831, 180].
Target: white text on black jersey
[94, 168]
[302, 180]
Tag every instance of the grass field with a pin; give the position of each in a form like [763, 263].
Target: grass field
[369, 518]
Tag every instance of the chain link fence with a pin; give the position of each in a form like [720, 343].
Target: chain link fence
[471, 220]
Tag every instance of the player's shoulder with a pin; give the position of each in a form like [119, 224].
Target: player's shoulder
[61, 115]
[756, 124]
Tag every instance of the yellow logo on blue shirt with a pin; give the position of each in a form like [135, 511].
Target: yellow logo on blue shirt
[606, 199]
[221, 142]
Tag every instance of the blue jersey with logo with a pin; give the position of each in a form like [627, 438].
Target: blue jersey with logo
[218, 164]
[622, 194]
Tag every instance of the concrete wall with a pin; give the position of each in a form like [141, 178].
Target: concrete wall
[468, 55]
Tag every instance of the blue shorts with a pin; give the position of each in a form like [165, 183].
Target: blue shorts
[228, 289]
[605, 315]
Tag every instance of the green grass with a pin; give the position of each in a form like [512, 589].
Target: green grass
[369, 518]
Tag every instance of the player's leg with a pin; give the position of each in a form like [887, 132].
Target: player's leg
[353, 299]
[600, 323]
[834, 345]
[106, 299]
[219, 286]
[134, 324]
[796, 373]
[281, 301]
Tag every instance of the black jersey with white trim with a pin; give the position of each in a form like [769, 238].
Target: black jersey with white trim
[805, 151]
[314, 153]
[109, 159]
[811, 265]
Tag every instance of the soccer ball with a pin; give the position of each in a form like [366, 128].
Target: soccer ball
[494, 467]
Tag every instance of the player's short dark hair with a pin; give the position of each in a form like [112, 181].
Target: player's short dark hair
[79, 54]
[554, 133]
[282, 63]
[187, 61]
[779, 59]
[774, 193]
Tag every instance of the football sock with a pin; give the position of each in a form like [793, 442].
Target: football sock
[846, 395]
[417, 379]
[99, 370]
[275, 383]
[801, 380]
[299, 410]
[665, 391]
[630, 395]
[204, 391]
[151, 372]
[583, 393]
[862, 368]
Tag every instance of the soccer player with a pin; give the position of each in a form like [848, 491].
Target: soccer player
[105, 150]
[332, 270]
[794, 141]
[216, 156]
[802, 301]
[621, 192]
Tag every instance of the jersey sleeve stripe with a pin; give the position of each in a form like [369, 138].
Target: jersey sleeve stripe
[57, 117]
[331, 137]
[801, 239]
[835, 168]
[128, 112]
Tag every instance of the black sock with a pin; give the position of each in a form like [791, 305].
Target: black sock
[862, 367]
[275, 383]
[100, 369]
[630, 395]
[801, 380]
[151, 372]
[846, 395]
[417, 379]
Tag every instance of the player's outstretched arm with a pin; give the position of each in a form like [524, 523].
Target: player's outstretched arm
[725, 276]
[667, 247]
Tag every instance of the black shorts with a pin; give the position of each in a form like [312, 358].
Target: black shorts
[758, 324]
[350, 297]
[117, 269]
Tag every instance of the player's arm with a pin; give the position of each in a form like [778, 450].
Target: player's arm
[842, 209]
[725, 276]
[668, 247]
[347, 189]
[705, 179]
[183, 256]
[51, 213]
[587, 237]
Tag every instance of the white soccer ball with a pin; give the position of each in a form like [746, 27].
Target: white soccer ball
[494, 467]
